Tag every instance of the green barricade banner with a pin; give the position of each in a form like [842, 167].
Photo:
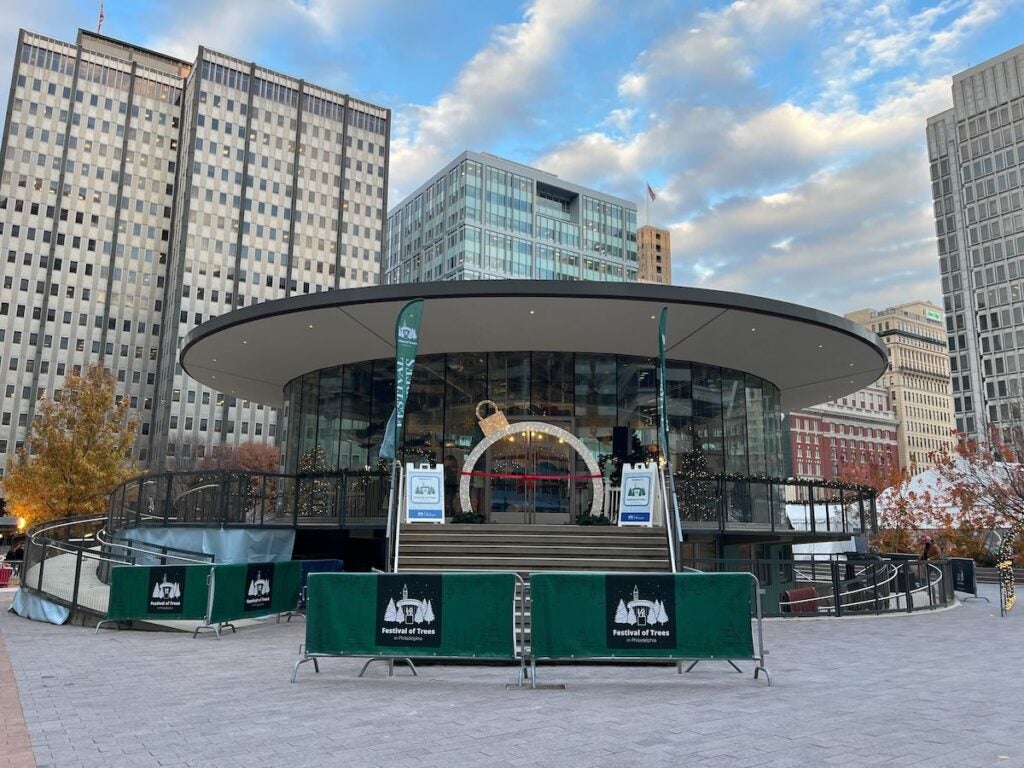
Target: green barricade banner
[674, 616]
[250, 590]
[158, 592]
[397, 614]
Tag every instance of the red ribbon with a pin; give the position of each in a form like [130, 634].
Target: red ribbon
[530, 478]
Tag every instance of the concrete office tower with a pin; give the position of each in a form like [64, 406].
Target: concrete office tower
[917, 379]
[975, 150]
[654, 254]
[141, 194]
[482, 217]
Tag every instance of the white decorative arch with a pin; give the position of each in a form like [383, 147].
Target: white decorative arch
[532, 426]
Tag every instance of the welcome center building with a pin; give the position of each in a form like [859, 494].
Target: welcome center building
[578, 356]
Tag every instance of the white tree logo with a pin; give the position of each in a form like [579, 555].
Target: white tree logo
[408, 610]
[641, 613]
[166, 590]
[260, 586]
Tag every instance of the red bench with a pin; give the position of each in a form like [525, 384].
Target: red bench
[799, 600]
[5, 575]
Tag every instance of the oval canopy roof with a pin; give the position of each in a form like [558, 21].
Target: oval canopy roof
[811, 356]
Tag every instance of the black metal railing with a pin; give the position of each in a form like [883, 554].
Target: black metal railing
[840, 585]
[732, 502]
[228, 498]
[68, 561]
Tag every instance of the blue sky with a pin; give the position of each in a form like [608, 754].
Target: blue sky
[785, 138]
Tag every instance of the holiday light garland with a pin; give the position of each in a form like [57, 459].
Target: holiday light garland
[1005, 568]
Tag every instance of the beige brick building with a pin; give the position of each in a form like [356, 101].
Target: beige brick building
[917, 378]
[654, 255]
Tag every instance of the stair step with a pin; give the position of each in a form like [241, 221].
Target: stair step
[507, 549]
[531, 548]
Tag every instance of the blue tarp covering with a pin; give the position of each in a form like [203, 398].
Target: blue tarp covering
[229, 545]
[31, 606]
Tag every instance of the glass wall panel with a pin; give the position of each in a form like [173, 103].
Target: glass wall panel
[596, 401]
[293, 408]
[309, 458]
[424, 411]
[638, 404]
[382, 403]
[755, 426]
[707, 415]
[466, 386]
[734, 421]
[355, 415]
[679, 394]
[508, 376]
[552, 387]
[329, 415]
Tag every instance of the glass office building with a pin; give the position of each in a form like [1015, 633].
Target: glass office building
[483, 217]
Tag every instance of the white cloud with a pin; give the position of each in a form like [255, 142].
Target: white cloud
[495, 92]
[716, 49]
[247, 28]
[825, 200]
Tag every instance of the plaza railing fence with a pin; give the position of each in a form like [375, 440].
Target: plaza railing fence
[68, 561]
[223, 498]
[840, 585]
[733, 502]
[630, 616]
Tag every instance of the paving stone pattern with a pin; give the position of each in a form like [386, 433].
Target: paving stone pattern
[938, 689]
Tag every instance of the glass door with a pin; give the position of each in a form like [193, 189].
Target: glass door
[528, 479]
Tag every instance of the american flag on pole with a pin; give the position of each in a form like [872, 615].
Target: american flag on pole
[650, 193]
[99, 21]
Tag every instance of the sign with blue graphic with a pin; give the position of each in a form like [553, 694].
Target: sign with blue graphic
[639, 489]
[424, 493]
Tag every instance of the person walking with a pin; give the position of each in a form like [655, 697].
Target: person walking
[930, 552]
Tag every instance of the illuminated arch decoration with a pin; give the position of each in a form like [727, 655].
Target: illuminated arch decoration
[593, 470]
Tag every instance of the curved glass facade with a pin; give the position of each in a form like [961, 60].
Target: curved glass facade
[720, 420]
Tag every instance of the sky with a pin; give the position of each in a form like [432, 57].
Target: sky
[784, 138]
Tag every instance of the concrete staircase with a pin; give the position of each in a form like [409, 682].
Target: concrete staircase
[531, 548]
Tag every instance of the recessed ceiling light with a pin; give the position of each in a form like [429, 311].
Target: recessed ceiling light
[531, 312]
[215, 359]
[244, 341]
[820, 346]
[311, 325]
[652, 317]
[753, 329]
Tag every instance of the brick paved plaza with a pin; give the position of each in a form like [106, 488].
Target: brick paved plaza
[941, 689]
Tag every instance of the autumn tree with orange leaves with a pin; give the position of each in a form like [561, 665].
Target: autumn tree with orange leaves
[78, 451]
[903, 510]
[983, 482]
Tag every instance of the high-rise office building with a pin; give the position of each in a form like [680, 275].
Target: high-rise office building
[654, 255]
[975, 151]
[917, 379]
[141, 195]
[482, 217]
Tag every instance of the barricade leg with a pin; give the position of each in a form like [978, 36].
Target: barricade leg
[391, 664]
[305, 657]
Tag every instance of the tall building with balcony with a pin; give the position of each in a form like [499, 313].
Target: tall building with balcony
[482, 217]
[654, 255]
[141, 194]
[917, 378]
[975, 150]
